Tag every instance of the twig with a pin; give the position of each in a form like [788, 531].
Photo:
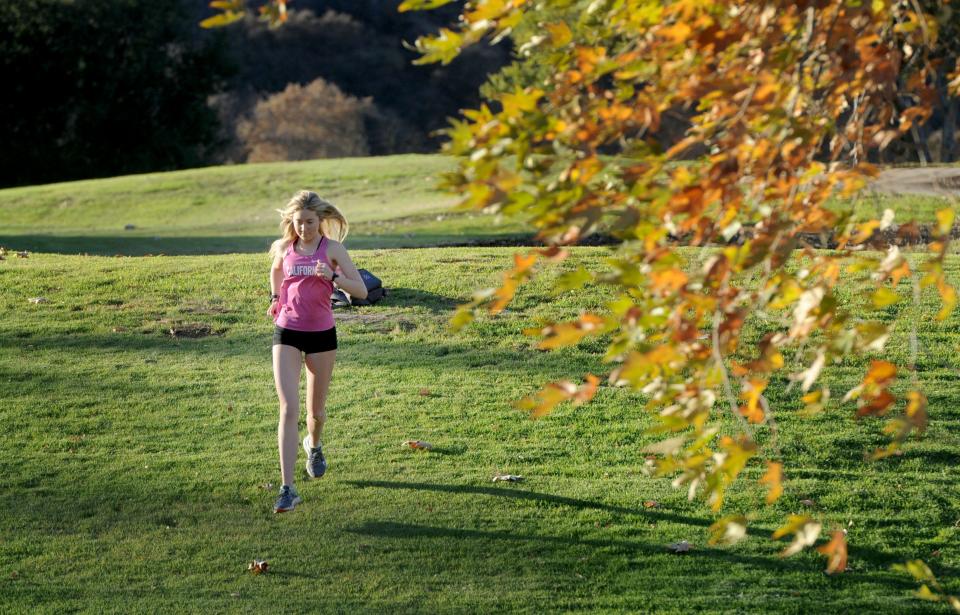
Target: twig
[726, 378]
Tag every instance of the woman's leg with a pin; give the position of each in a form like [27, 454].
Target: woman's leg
[319, 373]
[286, 376]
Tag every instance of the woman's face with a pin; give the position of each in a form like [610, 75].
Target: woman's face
[306, 224]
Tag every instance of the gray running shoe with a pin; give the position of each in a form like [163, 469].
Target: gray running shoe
[288, 499]
[316, 464]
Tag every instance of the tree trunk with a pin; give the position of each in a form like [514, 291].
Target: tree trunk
[948, 145]
[920, 141]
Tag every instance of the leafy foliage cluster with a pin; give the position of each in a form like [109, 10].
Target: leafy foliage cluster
[789, 102]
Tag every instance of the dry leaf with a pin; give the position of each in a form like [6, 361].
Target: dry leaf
[23, 254]
[425, 392]
[808, 502]
[258, 566]
[39, 300]
[651, 504]
[418, 445]
[680, 547]
[510, 478]
[836, 552]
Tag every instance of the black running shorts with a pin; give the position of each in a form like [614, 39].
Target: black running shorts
[307, 342]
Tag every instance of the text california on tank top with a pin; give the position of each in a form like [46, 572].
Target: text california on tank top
[304, 296]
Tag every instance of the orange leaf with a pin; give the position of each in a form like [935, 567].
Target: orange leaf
[917, 410]
[668, 281]
[677, 33]
[876, 405]
[836, 552]
[570, 333]
[774, 478]
[881, 373]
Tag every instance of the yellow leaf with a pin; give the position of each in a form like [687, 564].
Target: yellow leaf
[560, 34]
[949, 297]
[805, 531]
[729, 530]
[421, 5]
[461, 318]
[945, 220]
[883, 297]
[218, 21]
[520, 102]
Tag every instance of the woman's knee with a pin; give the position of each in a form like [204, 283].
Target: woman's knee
[289, 412]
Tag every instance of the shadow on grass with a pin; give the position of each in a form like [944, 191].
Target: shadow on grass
[140, 245]
[874, 556]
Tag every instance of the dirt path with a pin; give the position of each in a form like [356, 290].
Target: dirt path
[934, 181]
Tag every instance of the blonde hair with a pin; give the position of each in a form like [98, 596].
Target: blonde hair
[332, 223]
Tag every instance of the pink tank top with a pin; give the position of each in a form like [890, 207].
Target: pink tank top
[304, 296]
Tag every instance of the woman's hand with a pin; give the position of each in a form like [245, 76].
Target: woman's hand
[324, 271]
[274, 310]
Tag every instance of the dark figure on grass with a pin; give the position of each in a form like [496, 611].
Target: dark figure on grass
[308, 261]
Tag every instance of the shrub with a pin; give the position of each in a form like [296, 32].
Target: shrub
[305, 122]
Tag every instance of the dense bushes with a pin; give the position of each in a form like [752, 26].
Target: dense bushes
[103, 87]
[305, 122]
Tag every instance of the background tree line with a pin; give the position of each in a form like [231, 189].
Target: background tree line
[97, 88]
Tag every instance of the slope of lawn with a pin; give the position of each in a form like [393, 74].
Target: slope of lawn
[390, 201]
[138, 468]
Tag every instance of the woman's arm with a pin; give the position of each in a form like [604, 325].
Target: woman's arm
[276, 279]
[349, 280]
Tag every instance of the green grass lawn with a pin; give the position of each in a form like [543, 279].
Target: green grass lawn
[138, 469]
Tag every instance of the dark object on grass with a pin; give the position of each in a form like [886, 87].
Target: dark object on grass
[375, 292]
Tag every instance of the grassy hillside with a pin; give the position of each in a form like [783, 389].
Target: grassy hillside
[390, 201]
[138, 469]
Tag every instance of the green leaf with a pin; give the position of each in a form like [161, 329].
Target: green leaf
[572, 280]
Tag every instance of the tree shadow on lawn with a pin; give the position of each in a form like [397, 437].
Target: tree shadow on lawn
[377, 352]
[401, 530]
[140, 245]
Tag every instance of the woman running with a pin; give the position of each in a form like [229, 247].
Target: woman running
[308, 260]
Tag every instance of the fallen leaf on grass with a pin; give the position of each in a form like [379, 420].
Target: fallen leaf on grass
[266, 486]
[651, 504]
[808, 502]
[23, 254]
[39, 300]
[510, 478]
[425, 392]
[418, 445]
[258, 566]
[680, 547]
